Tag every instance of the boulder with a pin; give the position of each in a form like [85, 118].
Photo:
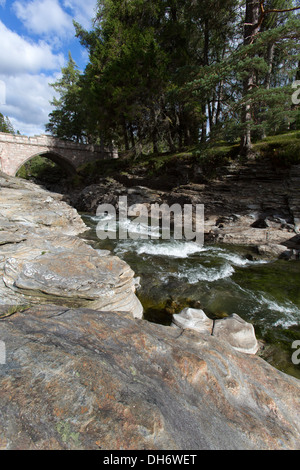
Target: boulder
[234, 330]
[238, 333]
[42, 260]
[193, 319]
[106, 192]
[86, 380]
[272, 250]
[25, 206]
[69, 272]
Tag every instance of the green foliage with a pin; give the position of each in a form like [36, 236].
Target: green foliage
[212, 157]
[41, 169]
[281, 149]
[167, 75]
[67, 119]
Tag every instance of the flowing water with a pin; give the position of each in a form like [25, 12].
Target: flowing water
[221, 280]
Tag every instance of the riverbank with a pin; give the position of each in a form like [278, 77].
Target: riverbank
[254, 203]
[42, 260]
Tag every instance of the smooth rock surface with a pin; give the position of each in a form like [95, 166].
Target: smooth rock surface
[42, 261]
[272, 249]
[234, 330]
[239, 334]
[25, 206]
[193, 319]
[82, 379]
[73, 273]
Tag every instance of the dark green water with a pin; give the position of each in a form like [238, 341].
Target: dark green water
[221, 280]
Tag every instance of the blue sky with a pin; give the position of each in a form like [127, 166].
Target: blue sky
[35, 38]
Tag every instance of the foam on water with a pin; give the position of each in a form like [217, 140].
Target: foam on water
[142, 231]
[202, 273]
[175, 249]
[233, 258]
[192, 264]
[237, 260]
[290, 312]
[97, 219]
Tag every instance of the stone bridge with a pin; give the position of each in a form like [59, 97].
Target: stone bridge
[15, 150]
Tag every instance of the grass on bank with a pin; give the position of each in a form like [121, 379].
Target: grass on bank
[281, 150]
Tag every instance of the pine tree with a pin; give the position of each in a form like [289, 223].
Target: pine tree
[168, 74]
[264, 31]
[5, 125]
[67, 119]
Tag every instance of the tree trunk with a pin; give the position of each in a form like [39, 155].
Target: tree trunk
[206, 62]
[126, 141]
[270, 60]
[170, 139]
[219, 105]
[297, 77]
[154, 132]
[220, 94]
[251, 29]
[204, 125]
[168, 121]
[132, 137]
[298, 72]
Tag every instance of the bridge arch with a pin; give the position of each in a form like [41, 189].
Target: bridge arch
[15, 150]
[53, 156]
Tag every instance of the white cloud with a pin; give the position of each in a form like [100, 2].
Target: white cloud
[29, 64]
[26, 69]
[48, 17]
[19, 55]
[44, 17]
[82, 11]
[2, 92]
[28, 101]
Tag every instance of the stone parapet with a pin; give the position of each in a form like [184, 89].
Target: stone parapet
[15, 150]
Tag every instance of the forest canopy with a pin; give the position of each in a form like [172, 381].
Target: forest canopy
[164, 75]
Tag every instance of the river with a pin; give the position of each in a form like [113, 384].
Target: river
[221, 280]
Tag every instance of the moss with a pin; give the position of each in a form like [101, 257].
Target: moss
[12, 310]
[278, 349]
[67, 435]
[281, 150]
[163, 312]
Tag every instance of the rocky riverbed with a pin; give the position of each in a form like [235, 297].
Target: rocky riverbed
[84, 370]
[251, 204]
